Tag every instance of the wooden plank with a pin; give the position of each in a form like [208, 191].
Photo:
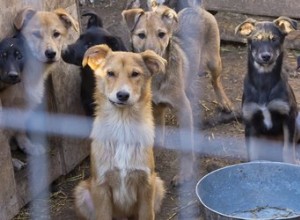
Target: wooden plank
[66, 80]
[75, 151]
[14, 190]
[228, 21]
[8, 192]
[54, 165]
[273, 8]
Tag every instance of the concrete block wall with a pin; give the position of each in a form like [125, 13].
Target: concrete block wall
[63, 97]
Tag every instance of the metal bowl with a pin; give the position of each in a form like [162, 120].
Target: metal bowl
[255, 190]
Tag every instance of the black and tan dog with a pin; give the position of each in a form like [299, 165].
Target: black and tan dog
[94, 34]
[269, 105]
[12, 61]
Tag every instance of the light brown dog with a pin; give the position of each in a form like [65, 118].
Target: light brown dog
[123, 183]
[153, 30]
[44, 33]
[199, 37]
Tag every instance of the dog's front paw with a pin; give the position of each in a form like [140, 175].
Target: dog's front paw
[33, 149]
[28, 147]
[18, 164]
[227, 106]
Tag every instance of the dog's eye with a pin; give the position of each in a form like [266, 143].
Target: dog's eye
[135, 74]
[161, 34]
[37, 34]
[142, 35]
[110, 73]
[18, 55]
[56, 34]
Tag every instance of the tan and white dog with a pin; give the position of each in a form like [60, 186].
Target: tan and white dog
[123, 183]
[44, 34]
[153, 30]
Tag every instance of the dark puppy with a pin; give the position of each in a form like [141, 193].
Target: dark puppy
[269, 105]
[12, 59]
[95, 34]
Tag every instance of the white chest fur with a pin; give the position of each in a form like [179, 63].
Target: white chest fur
[251, 108]
[121, 142]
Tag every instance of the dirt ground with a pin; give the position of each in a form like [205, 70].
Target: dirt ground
[219, 145]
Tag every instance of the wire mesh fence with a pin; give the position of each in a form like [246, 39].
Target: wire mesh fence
[59, 120]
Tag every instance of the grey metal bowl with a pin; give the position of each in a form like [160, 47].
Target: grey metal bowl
[255, 190]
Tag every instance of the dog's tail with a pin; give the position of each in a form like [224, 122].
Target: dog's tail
[94, 20]
[159, 193]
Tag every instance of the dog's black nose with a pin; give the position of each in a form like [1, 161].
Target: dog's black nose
[266, 57]
[13, 76]
[50, 54]
[123, 96]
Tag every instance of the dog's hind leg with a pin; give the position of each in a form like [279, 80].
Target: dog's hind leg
[215, 68]
[102, 199]
[255, 145]
[146, 199]
[83, 200]
[249, 143]
[184, 116]
[159, 117]
[289, 153]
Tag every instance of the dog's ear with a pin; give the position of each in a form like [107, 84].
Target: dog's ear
[23, 16]
[152, 5]
[115, 43]
[168, 15]
[94, 20]
[133, 4]
[131, 17]
[285, 24]
[246, 28]
[95, 55]
[155, 63]
[67, 19]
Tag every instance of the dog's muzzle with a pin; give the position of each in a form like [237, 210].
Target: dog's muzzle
[265, 57]
[50, 55]
[122, 98]
[12, 77]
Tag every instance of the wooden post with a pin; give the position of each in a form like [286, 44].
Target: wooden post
[62, 96]
[9, 205]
